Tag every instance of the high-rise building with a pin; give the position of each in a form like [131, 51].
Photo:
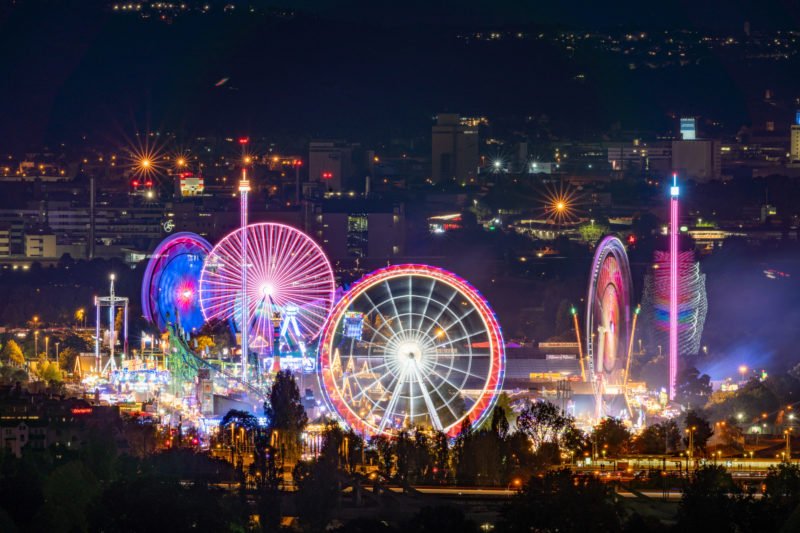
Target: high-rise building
[688, 128]
[40, 245]
[353, 228]
[454, 154]
[794, 142]
[700, 159]
[338, 166]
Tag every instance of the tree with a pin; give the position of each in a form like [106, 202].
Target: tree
[440, 519]
[465, 461]
[542, 422]
[563, 318]
[575, 441]
[693, 388]
[285, 413]
[611, 436]
[499, 425]
[12, 353]
[118, 324]
[237, 419]
[731, 433]
[48, 371]
[657, 438]
[67, 357]
[441, 456]
[548, 504]
[10, 375]
[701, 430]
[712, 502]
[65, 508]
[591, 233]
[782, 488]
[318, 491]
[204, 342]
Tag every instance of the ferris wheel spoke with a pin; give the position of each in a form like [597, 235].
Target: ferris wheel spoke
[465, 337]
[441, 312]
[383, 395]
[445, 402]
[437, 424]
[396, 312]
[444, 378]
[364, 390]
[462, 371]
[392, 403]
[427, 304]
[377, 312]
[377, 332]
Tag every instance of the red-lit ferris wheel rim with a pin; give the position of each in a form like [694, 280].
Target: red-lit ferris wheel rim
[608, 308]
[287, 272]
[492, 384]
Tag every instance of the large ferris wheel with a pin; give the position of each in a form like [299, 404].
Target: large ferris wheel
[411, 346]
[289, 285]
[608, 313]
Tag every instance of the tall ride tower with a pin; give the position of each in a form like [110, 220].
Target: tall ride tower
[244, 188]
[673, 286]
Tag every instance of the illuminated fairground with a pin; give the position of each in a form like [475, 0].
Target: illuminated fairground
[405, 346]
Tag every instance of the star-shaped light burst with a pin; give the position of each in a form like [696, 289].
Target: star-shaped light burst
[180, 161]
[561, 204]
[146, 159]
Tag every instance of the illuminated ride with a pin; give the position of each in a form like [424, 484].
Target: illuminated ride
[411, 346]
[171, 284]
[608, 317]
[289, 288]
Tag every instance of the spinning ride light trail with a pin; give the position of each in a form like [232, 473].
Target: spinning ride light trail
[608, 316]
[429, 352]
[289, 283]
[171, 283]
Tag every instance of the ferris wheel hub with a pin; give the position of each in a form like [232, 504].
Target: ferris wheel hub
[268, 289]
[409, 351]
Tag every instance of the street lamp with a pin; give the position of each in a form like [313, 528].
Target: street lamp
[517, 482]
[691, 431]
[787, 433]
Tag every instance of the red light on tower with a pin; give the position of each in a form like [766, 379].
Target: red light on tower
[327, 175]
[631, 239]
[244, 140]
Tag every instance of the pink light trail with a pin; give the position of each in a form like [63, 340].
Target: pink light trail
[673, 287]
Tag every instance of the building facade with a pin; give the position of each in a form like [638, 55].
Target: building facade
[454, 149]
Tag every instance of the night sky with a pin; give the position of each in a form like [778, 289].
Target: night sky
[361, 70]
